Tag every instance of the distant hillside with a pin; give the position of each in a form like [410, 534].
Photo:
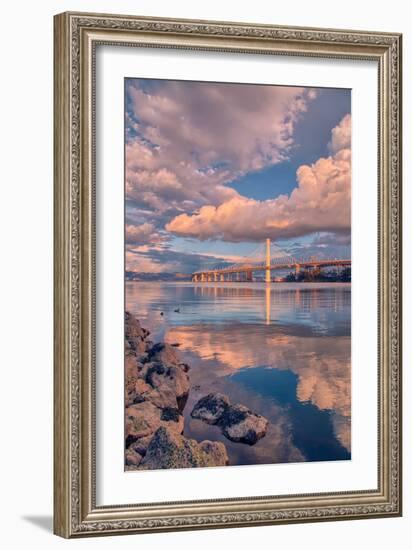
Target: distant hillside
[136, 276]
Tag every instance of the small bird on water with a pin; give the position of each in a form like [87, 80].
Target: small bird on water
[177, 310]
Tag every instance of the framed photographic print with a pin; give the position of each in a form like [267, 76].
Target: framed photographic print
[227, 274]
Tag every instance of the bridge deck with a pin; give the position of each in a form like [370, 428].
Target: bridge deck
[249, 268]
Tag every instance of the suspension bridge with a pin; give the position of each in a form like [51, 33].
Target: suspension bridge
[274, 259]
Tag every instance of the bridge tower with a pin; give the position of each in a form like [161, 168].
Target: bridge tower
[267, 271]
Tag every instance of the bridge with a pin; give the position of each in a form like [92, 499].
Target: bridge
[275, 259]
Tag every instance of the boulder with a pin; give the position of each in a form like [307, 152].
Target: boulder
[211, 407]
[170, 450]
[133, 329]
[143, 419]
[145, 392]
[241, 425]
[161, 377]
[170, 413]
[216, 451]
[141, 387]
[130, 398]
[140, 446]
[132, 368]
[237, 422]
[132, 457]
[135, 336]
[163, 398]
[185, 367]
[164, 354]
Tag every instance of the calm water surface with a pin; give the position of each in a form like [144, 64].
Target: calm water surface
[283, 350]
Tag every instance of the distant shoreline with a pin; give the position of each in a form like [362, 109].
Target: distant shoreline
[243, 283]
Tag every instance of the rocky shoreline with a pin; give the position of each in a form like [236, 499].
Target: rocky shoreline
[157, 386]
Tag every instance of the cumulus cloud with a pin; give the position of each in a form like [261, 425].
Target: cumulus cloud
[320, 202]
[187, 140]
[341, 135]
[331, 239]
[321, 245]
[144, 233]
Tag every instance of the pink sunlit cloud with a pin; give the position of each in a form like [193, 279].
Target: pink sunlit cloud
[320, 202]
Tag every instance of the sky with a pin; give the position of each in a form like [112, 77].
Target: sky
[213, 169]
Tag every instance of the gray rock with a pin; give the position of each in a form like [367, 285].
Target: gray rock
[132, 458]
[141, 387]
[211, 407]
[164, 397]
[132, 367]
[237, 422]
[216, 450]
[241, 425]
[170, 413]
[141, 419]
[161, 376]
[140, 446]
[133, 328]
[130, 398]
[169, 450]
[132, 372]
[135, 336]
[164, 354]
[145, 418]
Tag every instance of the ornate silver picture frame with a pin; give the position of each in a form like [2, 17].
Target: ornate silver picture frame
[76, 510]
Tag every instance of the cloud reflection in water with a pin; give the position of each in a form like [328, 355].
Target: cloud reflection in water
[285, 353]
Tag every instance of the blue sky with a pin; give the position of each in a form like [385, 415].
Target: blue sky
[325, 112]
[212, 169]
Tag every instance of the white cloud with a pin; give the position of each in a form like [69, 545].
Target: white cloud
[193, 138]
[321, 202]
[341, 135]
[142, 234]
